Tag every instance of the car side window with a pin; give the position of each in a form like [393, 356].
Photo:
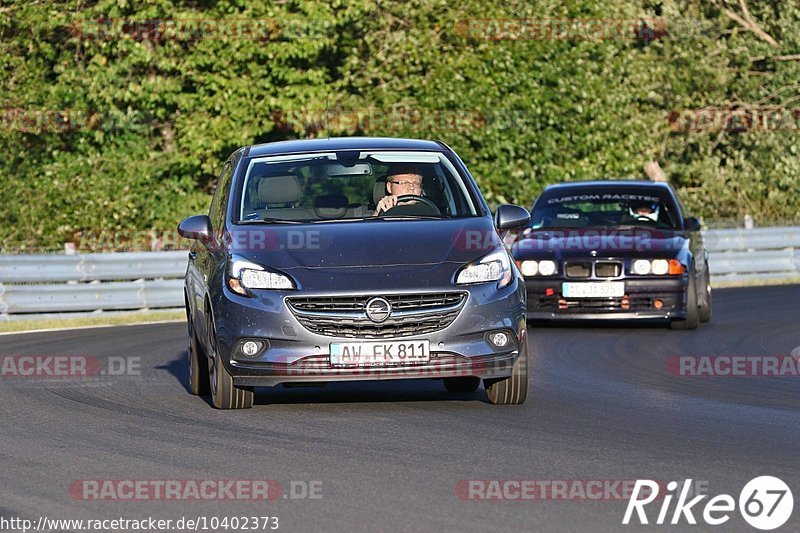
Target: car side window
[220, 201]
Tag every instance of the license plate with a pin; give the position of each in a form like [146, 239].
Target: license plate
[380, 353]
[603, 289]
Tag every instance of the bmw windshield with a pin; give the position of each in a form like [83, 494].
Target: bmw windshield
[609, 208]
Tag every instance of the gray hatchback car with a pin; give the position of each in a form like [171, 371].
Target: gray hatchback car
[352, 259]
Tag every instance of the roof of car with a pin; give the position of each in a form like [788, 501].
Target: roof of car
[344, 143]
[609, 183]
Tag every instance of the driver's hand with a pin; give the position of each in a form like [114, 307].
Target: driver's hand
[385, 203]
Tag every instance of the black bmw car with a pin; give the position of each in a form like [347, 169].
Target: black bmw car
[352, 259]
[614, 250]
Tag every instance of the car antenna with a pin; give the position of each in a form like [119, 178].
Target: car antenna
[327, 131]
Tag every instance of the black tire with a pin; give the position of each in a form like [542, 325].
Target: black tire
[224, 394]
[198, 362]
[465, 384]
[692, 311]
[705, 297]
[514, 389]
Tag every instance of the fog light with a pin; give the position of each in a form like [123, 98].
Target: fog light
[499, 339]
[250, 348]
[658, 304]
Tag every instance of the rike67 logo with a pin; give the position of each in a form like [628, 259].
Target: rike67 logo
[765, 503]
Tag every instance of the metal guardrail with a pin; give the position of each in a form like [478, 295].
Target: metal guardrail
[37, 285]
[758, 254]
[46, 284]
[91, 267]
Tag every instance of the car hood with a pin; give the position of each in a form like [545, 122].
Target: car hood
[602, 242]
[365, 244]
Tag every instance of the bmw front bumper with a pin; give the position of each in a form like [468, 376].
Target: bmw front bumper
[645, 298]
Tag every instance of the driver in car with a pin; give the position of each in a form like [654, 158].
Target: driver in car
[643, 211]
[401, 181]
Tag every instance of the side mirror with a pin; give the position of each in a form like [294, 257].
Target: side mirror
[691, 224]
[197, 227]
[511, 216]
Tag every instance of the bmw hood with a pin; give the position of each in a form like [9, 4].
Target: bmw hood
[609, 242]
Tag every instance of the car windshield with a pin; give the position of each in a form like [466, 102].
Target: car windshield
[597, 208]
[348, 185]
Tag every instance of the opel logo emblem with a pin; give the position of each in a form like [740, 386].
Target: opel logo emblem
[378, 309]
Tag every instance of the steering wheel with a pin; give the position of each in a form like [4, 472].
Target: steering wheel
[407, 198]
[644, 218]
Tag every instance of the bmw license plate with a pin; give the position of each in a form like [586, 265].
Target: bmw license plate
[603, 289]
[380, 353]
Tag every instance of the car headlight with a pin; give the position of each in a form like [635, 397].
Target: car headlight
[530, 268]
[641, 267]
[657, 267]
[495, 266]
[547, 268]
[244, 275]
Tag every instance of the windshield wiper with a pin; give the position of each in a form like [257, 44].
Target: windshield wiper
[268, 220]
[412, 217]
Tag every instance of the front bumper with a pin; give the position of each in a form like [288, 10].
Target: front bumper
[297, 355]
[315, 369]
[645, 298]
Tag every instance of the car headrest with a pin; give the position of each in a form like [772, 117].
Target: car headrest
[433, 188]
[569, 217]
[279, 190]
[379, 190]
[330, 205]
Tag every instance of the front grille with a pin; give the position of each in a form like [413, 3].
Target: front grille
[606, 269]
[579, 270]
[345, 316]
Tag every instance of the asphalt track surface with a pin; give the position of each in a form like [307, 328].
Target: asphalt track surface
[390, 454]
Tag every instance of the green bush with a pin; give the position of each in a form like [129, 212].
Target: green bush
[152, 120]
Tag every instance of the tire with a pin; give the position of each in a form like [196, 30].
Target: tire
[514, 389]
[465, 384]
[224, 394]
[705, 297]
[692, 311]
[197, 361]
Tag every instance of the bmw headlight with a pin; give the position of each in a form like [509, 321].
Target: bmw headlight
[657, 267]
[245, 275]
[530, 268]
[495, 266]
[547, 268]
[641, 267]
